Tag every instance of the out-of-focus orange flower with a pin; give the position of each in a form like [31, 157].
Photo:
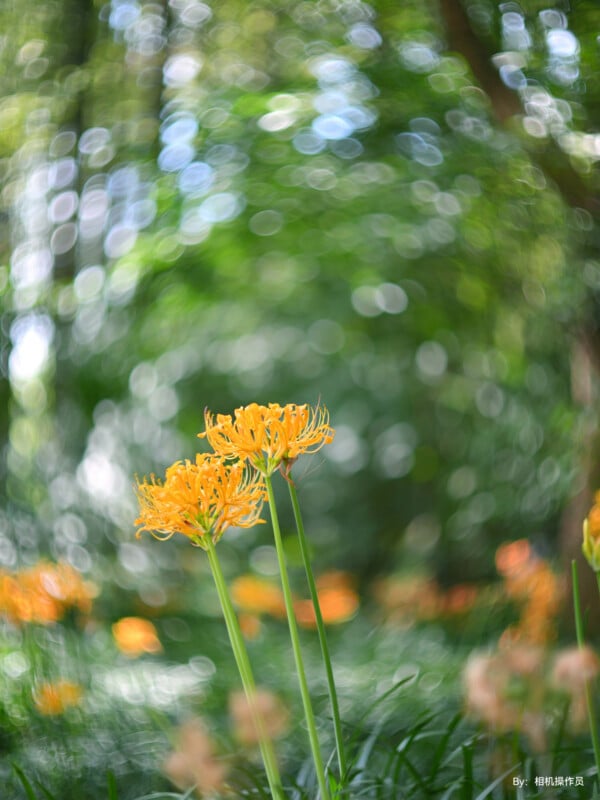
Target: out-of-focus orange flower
[250, 625]
[408, 597]
[257, 596]
[135, 636]
[419, 598]
[335, 579]
[337, 605]
[43, 593]
[268, 435]
[194, 761]
[66, 585]
[272, 712]
[513, 557]
[200, 498]
[459, 599]
[21, 601]
[52, 699]
[530, 582]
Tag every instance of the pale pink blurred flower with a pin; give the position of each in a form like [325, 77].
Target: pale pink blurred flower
[488, 682]
[533, 725]
[274, 716]
[194, 762]
[524, 660]
[574, 667]
[485, 685]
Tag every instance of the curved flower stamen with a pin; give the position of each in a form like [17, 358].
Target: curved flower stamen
[197, 498]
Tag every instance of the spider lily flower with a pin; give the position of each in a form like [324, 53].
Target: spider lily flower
[267, 436]
[200, 498]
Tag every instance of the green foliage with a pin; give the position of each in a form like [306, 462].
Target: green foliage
[208, 205]
[417, 270]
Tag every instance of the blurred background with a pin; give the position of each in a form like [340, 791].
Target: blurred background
[391, 208]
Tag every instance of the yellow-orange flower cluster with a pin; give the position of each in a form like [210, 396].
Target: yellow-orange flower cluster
[52, 699]
[42, 594]
[268, 435]
[135, 636]
[208, 495]
[531, 583]
[200, 498]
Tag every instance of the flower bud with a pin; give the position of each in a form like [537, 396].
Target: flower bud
[591, 544]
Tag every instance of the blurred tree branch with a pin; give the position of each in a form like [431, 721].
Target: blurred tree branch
[507, 107]
[585, 356]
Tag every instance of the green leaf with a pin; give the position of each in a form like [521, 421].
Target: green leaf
[31, 795]
[112, 785]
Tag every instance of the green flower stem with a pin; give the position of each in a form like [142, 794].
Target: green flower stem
[243, 663]
[589, 700]
[598, 580]
[289, 607]
[335, 709]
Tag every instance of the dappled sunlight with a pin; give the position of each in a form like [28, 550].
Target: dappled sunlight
[354, 246]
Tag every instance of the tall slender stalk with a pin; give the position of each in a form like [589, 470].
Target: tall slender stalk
[589, 700]
[287, 595]
[243, 663]
[335, 709]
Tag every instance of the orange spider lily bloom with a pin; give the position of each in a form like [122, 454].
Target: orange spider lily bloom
[197, 498]
[134, 636]
[268, 435]
[52, 699]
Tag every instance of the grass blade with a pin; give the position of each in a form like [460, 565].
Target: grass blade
[441, 748]
[377, 703]
[112, 785]
[489, 789]
[46, 792]
[31, 795]
[467, 778]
